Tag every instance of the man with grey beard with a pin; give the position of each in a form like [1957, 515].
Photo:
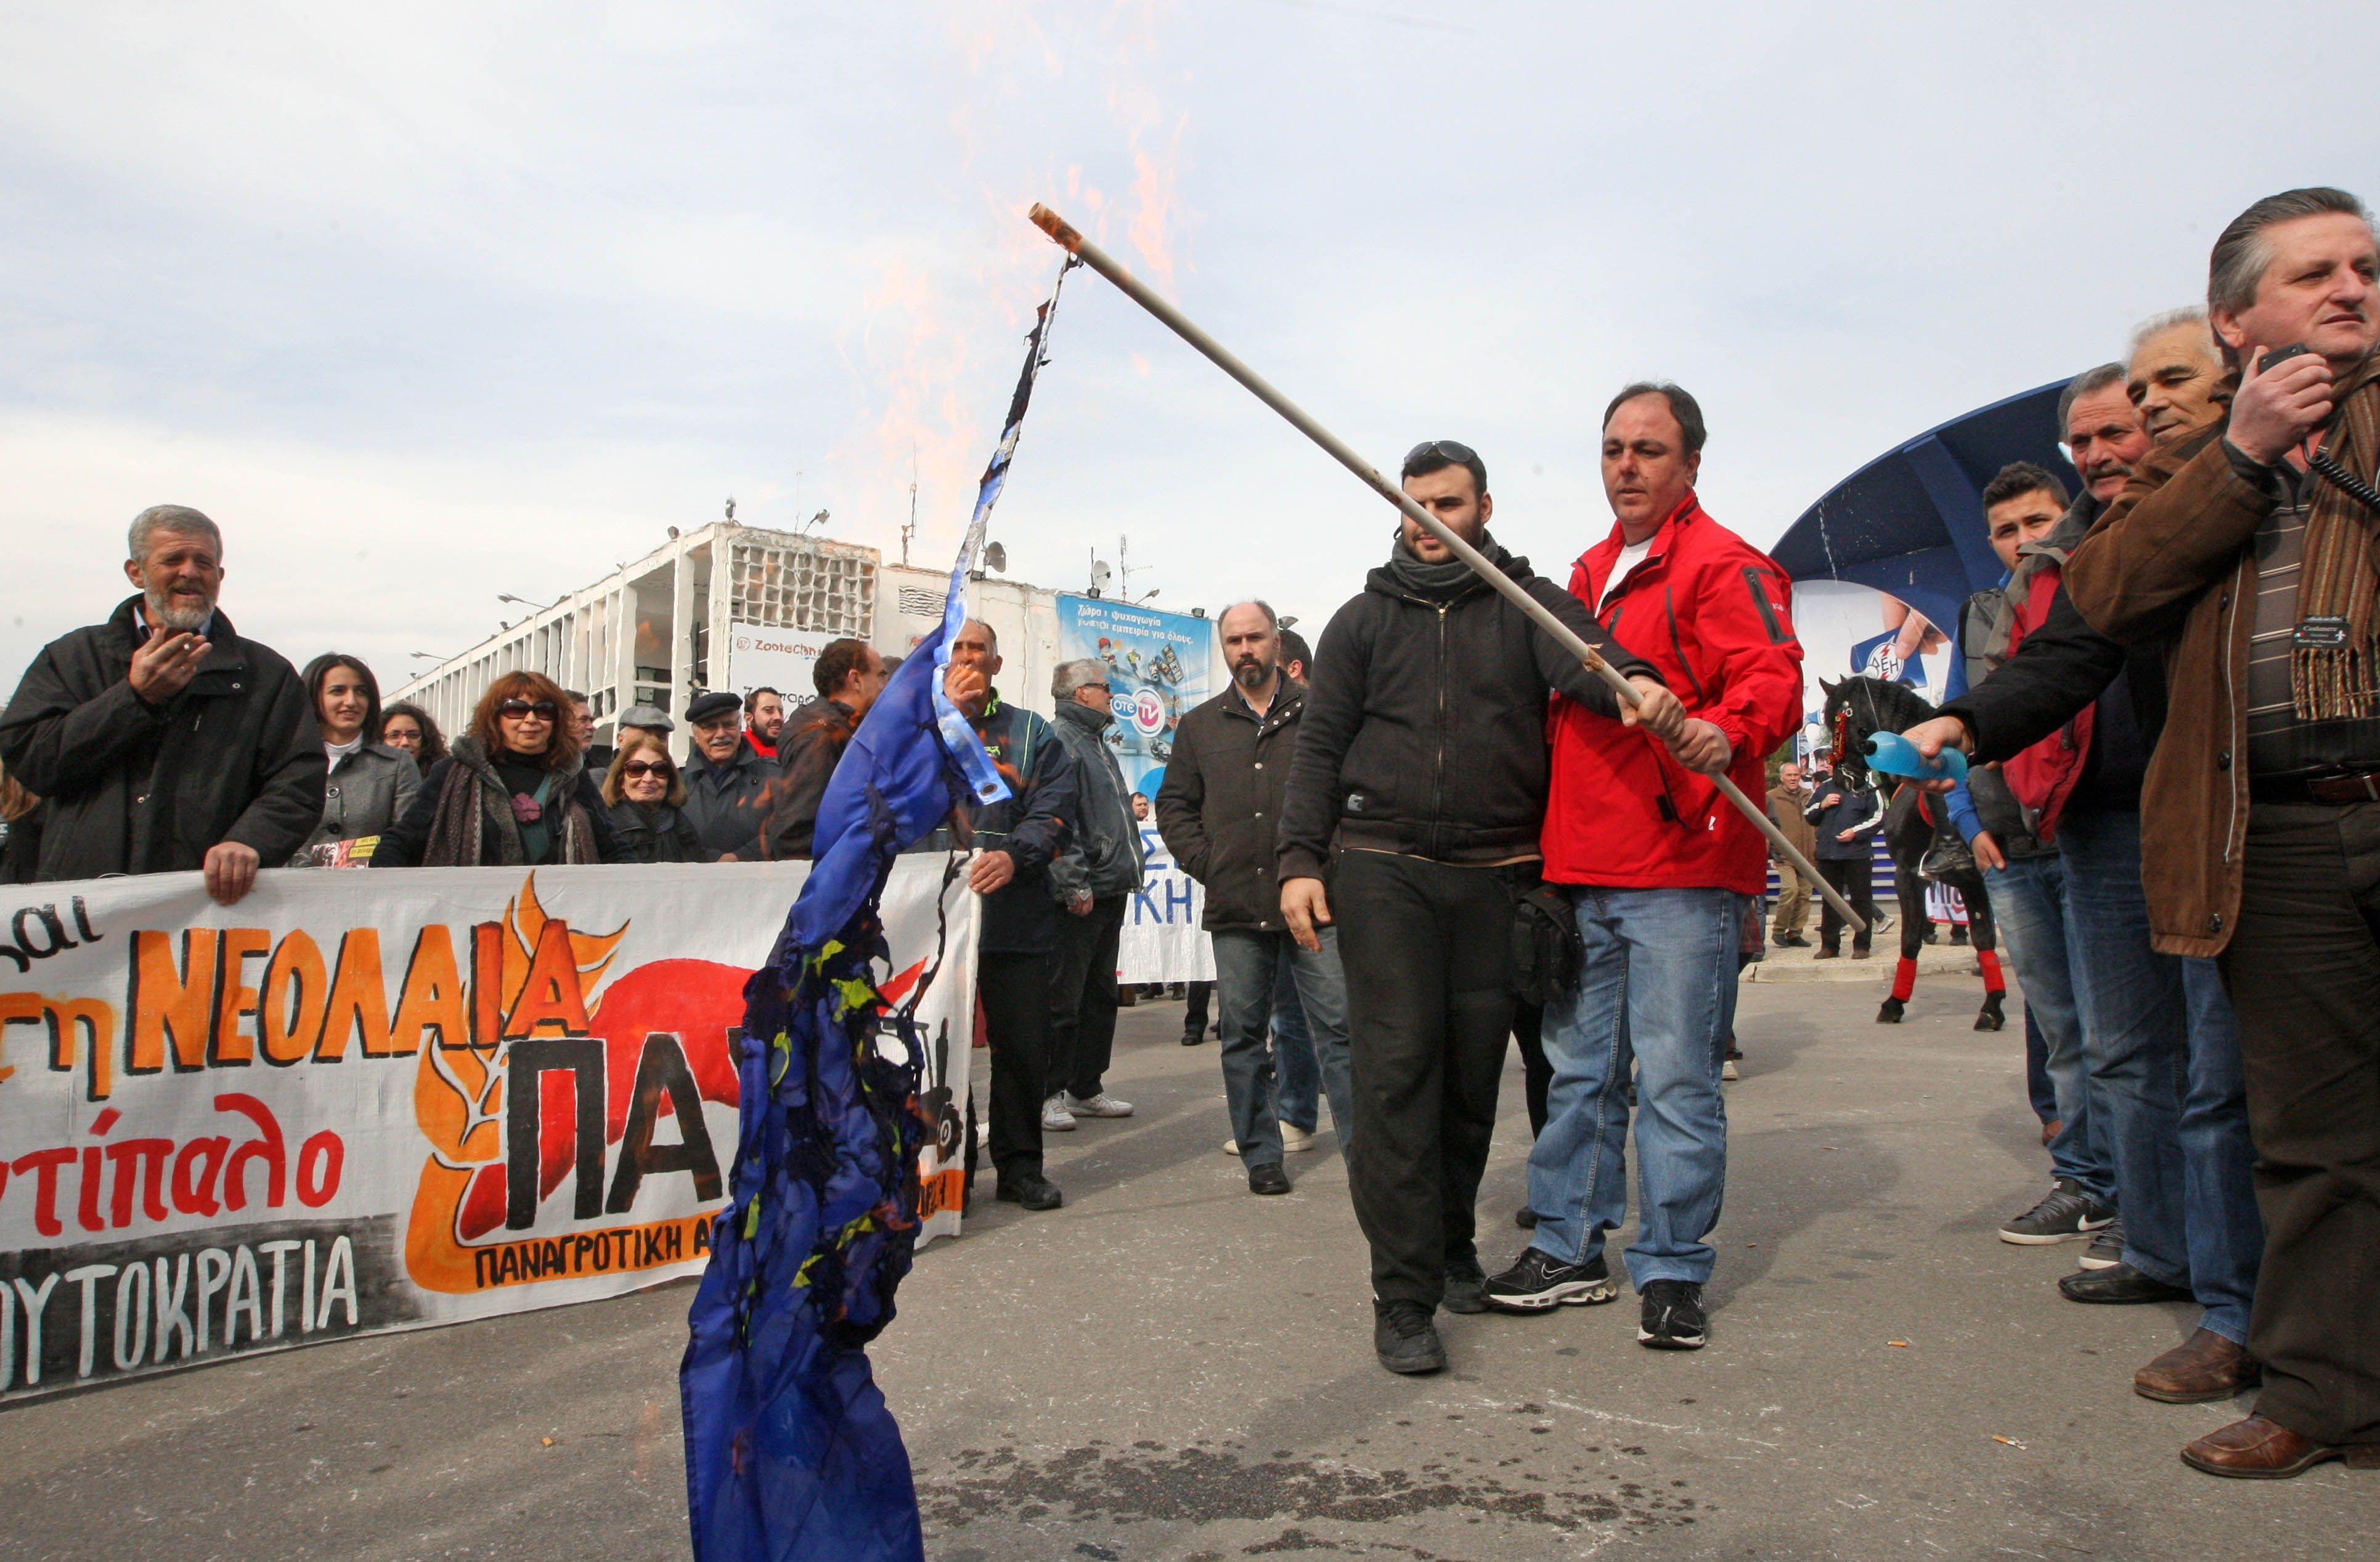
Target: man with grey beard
[162, 740]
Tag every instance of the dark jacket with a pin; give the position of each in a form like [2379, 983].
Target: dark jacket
[1424, 729]
[808, 750]
[465, 784]
[729, 803]
[1104, 854]
[369, 792]
[1220, 807]
[20, 847]
[136, 788]
[655, 834]
[2074, 714]
[1859, 810]
[1021, 917]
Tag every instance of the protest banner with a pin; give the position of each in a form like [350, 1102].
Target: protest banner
[365, 1101]
[1158, 671]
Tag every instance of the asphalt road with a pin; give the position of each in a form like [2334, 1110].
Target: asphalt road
[1169, 1368]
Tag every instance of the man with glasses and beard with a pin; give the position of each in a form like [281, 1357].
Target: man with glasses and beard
[162, 740]
[1419, 789]
[1219, 811]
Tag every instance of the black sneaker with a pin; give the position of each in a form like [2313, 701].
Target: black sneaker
[2066, 1214]
[1539, 1282]
[1405, 1339]
[1268, 1179]
[1032, 1192]
[1467, 1285]
[1673, 1316]
[2107, 1249]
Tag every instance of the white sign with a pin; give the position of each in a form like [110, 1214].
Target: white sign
[761, 656]
[366, 1101]
[1161, 941]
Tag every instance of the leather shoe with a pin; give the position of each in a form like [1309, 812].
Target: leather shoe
[1031, 1191]
[1268, 1179]
[2121, 1285]
[2205, 1366]
[2256, 1449]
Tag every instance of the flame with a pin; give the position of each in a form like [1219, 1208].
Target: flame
[525, 918]
[936, 340]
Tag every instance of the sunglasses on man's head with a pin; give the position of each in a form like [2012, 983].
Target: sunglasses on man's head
[1453, 450]
[645, 768]
[544, 708]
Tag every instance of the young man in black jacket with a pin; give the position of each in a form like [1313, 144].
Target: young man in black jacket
[161, 739]
[1419, 788]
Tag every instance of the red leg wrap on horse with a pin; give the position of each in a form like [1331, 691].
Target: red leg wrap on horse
[1993, 980]
[1904, 978]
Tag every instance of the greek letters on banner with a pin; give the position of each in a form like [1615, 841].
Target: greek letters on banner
[366, 1101]
[1160, 940]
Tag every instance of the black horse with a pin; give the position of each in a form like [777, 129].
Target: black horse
[1918, 833]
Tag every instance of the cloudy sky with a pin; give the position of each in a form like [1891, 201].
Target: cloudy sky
[431, 303]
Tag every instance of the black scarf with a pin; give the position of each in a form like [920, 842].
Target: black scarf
[1441, 582]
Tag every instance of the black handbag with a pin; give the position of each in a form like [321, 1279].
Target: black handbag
[1548, 954]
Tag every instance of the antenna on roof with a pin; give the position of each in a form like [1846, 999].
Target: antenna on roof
[911, 530]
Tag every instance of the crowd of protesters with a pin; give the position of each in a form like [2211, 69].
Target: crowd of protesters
[1438, 830]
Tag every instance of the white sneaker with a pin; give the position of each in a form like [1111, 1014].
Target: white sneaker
[1100, 1106]
[1728, 1071]
[1291, 1139]
[1055, 1118]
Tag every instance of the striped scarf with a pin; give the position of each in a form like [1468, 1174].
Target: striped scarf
[2341, 578]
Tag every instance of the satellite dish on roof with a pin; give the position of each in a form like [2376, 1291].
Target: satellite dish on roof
[995, 556]
[1100, 575]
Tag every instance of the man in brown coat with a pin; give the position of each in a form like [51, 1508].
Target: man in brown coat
[2249, 548]
[1786, 800]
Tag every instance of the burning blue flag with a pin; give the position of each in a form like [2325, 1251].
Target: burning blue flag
[791, 1453]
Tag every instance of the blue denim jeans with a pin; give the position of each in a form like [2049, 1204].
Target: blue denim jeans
[2165, 1059]
[1248, 968]
[2029, 900]
[1658, 987]
[1297, 1097]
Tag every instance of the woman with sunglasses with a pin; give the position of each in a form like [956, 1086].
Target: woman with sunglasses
[646, 793]
[511, 791]
[370, 784]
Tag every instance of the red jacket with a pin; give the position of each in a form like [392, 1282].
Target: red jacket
[2044, 777]
[1711, 611]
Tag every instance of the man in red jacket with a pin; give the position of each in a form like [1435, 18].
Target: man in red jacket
[1660, 870]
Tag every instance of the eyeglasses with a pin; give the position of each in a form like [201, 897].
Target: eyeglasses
[544, 708]
[646, 768]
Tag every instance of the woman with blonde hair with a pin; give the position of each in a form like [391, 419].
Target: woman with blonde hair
[646, 793]
[513, 790]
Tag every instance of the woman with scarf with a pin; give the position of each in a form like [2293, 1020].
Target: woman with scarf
[513, 790]
[370, 784]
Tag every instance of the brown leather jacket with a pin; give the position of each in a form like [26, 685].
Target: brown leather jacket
[2175, 557]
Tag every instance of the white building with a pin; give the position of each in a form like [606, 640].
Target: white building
[734, 607]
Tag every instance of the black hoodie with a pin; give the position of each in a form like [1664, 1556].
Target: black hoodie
[1424, 729]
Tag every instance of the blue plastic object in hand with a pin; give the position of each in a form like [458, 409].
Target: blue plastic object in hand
[1896, 755]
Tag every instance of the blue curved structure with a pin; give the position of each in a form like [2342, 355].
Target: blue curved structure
[1910, 522]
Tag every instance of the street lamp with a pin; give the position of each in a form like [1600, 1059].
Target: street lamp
[524, 602]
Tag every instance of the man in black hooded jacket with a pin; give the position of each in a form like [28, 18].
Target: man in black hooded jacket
[1419, 789]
